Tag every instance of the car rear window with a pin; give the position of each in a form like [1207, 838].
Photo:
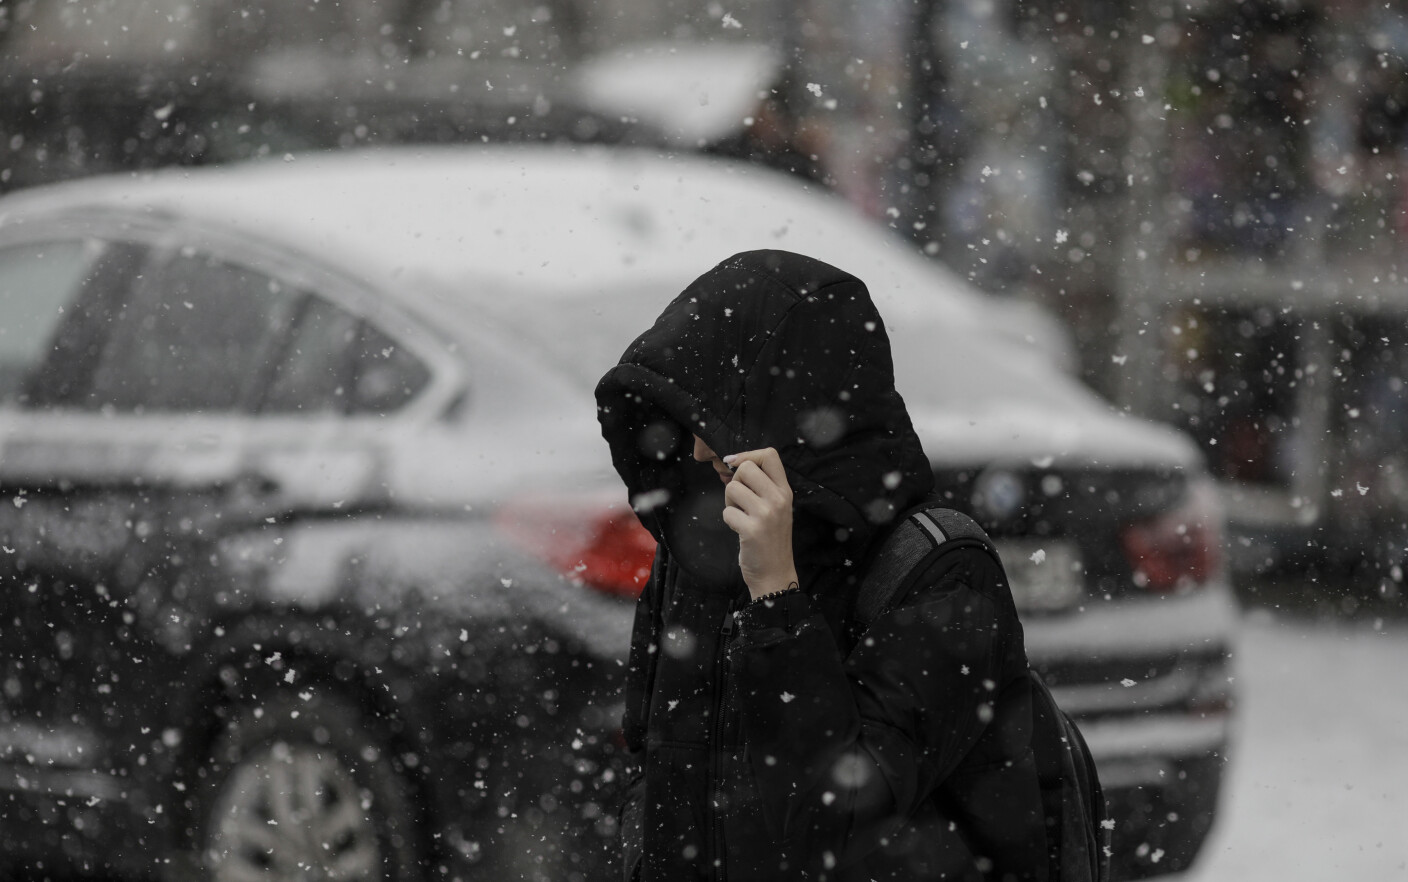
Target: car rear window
[37, 283]
[57, 299]
[193, 338]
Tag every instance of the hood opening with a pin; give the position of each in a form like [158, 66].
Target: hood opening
[768, 348]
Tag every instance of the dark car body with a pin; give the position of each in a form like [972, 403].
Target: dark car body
[188, 531]
[301, 490]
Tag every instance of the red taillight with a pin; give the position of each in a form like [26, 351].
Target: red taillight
[1180, 549]
[597, 542]
[617, 560]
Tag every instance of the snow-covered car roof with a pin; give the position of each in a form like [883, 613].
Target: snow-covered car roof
[578, 248]
[559, 220]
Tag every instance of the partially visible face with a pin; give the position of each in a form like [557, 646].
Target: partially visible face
[702, 453]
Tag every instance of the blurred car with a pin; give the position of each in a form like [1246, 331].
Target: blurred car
[312, 549]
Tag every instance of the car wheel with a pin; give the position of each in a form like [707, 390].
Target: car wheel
[301, 788]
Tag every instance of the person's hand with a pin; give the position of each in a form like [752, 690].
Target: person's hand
[758, 507]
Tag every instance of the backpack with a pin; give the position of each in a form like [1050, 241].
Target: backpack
[1077, 822]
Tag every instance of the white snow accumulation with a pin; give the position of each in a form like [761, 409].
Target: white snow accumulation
[1318, 785]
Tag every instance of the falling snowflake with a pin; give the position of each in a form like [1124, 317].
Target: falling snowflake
[1126, 683]
[650, 500]
[815, 89]
[787, 697]
[1039, 556]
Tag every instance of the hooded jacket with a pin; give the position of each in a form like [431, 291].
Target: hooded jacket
[775, 742]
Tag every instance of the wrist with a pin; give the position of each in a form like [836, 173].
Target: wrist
[775, 588]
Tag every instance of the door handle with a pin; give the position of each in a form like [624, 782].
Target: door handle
[254, 488]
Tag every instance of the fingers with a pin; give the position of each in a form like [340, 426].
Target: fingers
[737, 494]
[766, 459]
[754, 503]
[758, 507]
[743, 510]
[762, 471]
[736, 520]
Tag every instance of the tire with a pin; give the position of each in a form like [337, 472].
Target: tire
[300, 787]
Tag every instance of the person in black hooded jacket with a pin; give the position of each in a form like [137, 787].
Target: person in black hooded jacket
[774, 741]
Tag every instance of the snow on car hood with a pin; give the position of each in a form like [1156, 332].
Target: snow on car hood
[1007, 433]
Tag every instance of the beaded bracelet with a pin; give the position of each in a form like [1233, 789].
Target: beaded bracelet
[791, 586]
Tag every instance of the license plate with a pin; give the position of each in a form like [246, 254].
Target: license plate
[1044, 574]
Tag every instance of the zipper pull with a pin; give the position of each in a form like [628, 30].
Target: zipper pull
[728, 624]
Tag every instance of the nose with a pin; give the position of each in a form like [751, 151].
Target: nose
[702, 453]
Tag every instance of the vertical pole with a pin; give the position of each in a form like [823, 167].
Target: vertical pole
[925, 83]
[1140, 277]
[1311, 464]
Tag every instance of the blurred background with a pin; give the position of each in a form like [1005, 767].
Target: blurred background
[1208, 196]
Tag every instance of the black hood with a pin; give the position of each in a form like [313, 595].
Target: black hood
[768, 348]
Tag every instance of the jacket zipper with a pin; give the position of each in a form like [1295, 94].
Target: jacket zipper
[720, 694]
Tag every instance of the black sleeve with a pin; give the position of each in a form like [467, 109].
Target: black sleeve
[640, 676]
[845, 749]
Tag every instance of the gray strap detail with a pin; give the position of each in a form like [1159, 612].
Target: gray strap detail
[902, 552]
[910, 543]
[931, 526]
[955, 524]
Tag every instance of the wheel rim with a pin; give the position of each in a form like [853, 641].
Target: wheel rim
[292, 812]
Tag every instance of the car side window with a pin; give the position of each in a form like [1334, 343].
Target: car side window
[314, 373]
[336, 362]
[195, 338]
[386, 375]
[56, 299]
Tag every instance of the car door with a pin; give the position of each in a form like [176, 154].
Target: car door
[188, 389]
[55, 292]
[58, 291]
[123, 460]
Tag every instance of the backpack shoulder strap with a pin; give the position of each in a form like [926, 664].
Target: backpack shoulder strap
[920, 535]
[1077, 817]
